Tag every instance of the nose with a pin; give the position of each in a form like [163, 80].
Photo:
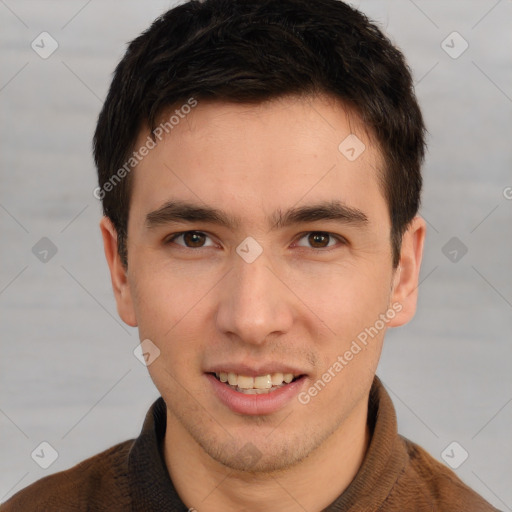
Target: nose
[255, 303]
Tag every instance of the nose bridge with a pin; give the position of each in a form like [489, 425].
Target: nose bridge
[253, 303]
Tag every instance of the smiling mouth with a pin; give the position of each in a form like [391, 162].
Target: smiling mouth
[262, 384]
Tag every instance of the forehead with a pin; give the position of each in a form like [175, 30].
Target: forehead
[259, 156]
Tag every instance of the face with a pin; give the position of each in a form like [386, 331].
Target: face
[259, 252]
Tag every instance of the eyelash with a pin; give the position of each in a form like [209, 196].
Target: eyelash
[339, 238]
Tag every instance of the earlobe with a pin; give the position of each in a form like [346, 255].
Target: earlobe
[406, 279]
[118, 273]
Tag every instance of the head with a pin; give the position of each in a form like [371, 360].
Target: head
[259, 169]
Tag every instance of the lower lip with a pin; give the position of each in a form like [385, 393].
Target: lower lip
[254, 405]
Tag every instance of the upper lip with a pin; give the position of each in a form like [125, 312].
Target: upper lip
[253, 370]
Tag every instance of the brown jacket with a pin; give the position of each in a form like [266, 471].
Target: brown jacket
[396, 476]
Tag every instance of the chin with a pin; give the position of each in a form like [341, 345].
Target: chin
[271, 451]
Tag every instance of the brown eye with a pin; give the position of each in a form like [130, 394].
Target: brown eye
[320, 240]
[190, 239]
[194, 239]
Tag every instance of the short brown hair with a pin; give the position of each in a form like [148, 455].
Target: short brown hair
[252, 51]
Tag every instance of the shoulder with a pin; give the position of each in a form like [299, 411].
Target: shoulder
[426, 479]
[98, 483]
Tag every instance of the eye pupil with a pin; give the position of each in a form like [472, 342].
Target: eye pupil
[193, 239]
[319, 238]
[196, 239]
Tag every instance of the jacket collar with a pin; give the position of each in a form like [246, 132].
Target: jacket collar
[152, 488]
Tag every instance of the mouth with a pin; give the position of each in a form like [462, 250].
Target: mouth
[256, 392]
[259, 385]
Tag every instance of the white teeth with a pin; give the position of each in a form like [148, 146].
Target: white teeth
[262, 382]
[245, 382]
[255, 385]
[277, 378]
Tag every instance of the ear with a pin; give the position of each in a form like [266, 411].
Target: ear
[406, 279]
[118, 273]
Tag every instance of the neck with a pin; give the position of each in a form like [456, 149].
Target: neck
[207, 486]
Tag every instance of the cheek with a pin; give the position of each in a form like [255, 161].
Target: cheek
[349, 352]
[166, 294]
[345, 298]
[168, 307]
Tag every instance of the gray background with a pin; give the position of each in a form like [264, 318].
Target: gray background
[68, 375]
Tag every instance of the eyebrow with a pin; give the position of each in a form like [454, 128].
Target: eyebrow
[183, 211]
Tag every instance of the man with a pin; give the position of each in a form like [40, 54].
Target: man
[259, 168]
